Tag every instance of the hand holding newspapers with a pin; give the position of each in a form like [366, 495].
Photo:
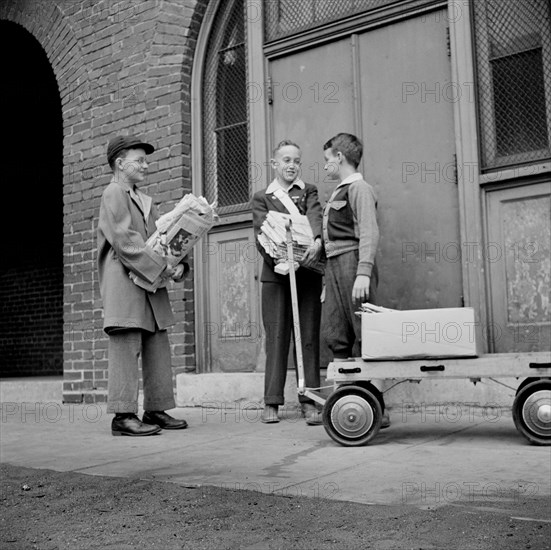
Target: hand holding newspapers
[176, 234]
[273, 238]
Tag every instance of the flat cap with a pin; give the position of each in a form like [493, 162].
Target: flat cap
[120, 143]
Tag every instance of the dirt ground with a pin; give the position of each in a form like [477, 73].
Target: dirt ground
[47, 510]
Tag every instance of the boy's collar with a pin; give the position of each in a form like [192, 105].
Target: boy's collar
[352, 177]
[275, 185]
[123, 184]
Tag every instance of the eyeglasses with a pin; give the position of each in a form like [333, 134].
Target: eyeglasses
[140, 161]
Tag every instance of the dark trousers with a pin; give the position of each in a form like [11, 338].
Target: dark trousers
[277, 316]
[341, 326]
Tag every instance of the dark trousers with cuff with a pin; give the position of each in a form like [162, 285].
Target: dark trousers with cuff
[277, 316]
[342, 329]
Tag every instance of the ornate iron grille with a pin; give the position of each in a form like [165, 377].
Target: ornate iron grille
[286, 17]
[513, 51]
[225, 116]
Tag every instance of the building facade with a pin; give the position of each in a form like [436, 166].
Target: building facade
[452, 99]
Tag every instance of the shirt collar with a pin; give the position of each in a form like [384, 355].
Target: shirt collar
[352, 177]
[124, 185]
[275, 185]
[141, 198]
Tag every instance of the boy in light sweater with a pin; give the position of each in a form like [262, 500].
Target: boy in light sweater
[351, 236]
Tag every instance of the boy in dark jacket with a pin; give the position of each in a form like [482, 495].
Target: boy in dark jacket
[276, 295]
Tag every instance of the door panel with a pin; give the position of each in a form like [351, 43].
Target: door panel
[409, 150]
[311, 101]
[232, 331]
[408, 146]
[517, 255]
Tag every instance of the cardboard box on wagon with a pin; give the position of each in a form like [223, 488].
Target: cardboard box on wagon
[418, 334]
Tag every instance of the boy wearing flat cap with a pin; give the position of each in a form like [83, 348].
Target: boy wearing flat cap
[135, 319]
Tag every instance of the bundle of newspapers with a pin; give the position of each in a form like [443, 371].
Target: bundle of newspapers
[273, 238]
[177, 232]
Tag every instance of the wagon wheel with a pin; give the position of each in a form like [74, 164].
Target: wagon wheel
[352, 416]
[532, 412]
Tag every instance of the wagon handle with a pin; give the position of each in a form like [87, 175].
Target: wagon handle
[294, 304]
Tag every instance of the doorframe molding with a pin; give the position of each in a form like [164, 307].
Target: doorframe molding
[471, 220]
[257, 151]
[200, 294]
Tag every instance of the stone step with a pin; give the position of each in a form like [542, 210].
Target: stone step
[31, 389]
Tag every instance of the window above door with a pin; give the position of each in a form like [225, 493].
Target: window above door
[292, 24]
[286, 17]
[513, 70]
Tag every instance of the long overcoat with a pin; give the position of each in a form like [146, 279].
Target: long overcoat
[122, 232]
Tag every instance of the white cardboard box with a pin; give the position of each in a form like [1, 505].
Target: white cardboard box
[418, 334]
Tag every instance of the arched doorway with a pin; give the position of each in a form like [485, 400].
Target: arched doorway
[31, 271]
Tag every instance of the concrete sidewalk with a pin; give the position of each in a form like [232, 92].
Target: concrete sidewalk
[427, 458]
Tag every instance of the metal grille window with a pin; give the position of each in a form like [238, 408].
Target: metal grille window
[286, 17]
[225, 116]
[513, 51]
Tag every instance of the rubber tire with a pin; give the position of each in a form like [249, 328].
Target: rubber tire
[367, 385]
[525, 382]
[361, 397]
[523, 394]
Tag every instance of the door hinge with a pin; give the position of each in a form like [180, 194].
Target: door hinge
[448, 42]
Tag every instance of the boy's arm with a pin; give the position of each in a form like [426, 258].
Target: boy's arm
[260, 211]
[115, 222]
[362, 201]
[314, 211]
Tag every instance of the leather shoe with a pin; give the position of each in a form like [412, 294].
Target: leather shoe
[131, 425]
[311, 414]
[269, 414]
[165, 421]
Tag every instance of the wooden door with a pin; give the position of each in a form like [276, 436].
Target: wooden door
[232, 331]
[517, 254]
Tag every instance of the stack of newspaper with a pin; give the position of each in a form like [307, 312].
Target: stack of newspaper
[273, 237]
[177, 232]
[366, 307]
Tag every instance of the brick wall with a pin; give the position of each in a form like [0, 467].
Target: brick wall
[30, 320]
[121, 67]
